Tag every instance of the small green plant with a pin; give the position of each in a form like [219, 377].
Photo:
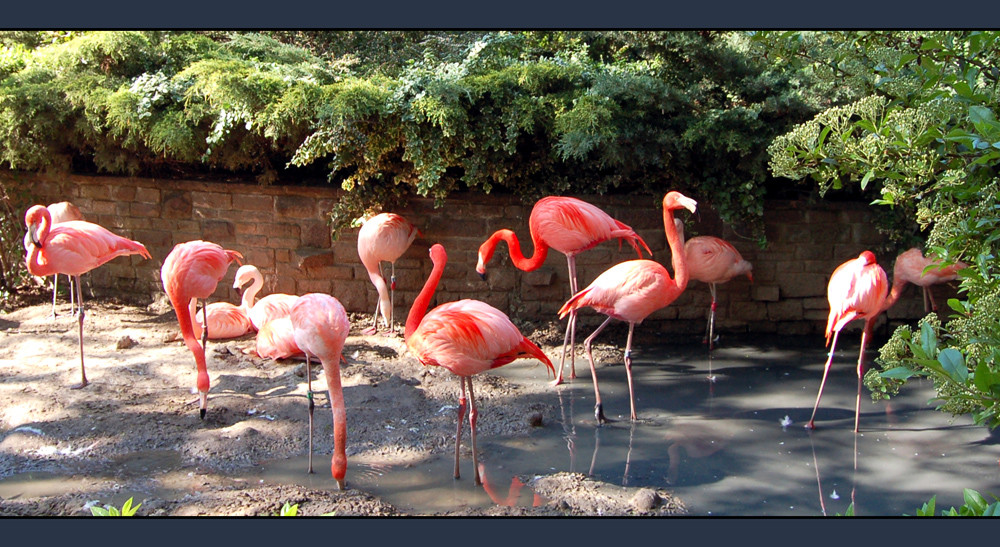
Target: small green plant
[849, 512]
[110, 511]
[975, 506]
[289, 510]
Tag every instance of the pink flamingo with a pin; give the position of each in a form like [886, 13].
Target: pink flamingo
[276, 340]
[191, 272]
[570, 226]
[62, 212]
[320, 327]
[466, 337]
[712, 260]
[913, 267]
[632, 290]
[271, 307]
[857, 290]
[72, 248]
[384, 237]
[226, 320]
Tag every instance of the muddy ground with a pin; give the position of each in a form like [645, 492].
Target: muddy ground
[139, 411]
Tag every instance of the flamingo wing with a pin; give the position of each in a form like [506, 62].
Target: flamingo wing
[225, 321]
[320, 326]
[271, 307]
[628, 291]
[714, 260]
[857, 290]
[571, 226]
[276, 340]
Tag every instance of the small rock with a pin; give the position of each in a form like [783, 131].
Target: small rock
[535, 419]
[646, 500]
[125, 342]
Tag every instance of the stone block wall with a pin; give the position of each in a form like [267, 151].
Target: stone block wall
[284, 232]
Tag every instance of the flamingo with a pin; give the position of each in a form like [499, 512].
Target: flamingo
[913, 267]
[62, 212]
[466, 337]
[632, 290]
[190, 272]
[713, 260]
[271, 307]
[225, 321]
[857, 290]
[384, 237]
[276, 340]
[320, 327]
[570, 226]
[72, 248]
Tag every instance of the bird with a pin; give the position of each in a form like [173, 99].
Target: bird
[631, 290]
[713, 260]
[857, 290]
[466, 337]
[62, 212]
[271, 307]
[913, 267]
[384, 238]
[320, 327]
[570, 226]
[191, 272]
[72, 248]
[225, 320]
[276, 340]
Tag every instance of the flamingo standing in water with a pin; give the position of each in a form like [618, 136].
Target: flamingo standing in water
[569, 226]
[72, 248]
[857, 290]
[320, 328]
[384, 237]
[632, 290]
[466, 337]
[912, 267]
[62, 212]
[713, 260]
[190, 272]
[271, 307]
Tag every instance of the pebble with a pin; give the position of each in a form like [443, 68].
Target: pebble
[535, 419]
[646, 500]
[125, 342]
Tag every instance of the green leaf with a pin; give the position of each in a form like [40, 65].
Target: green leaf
[974, 500]
[868, 176]
[898, 373]
[983, 377]
[957, 305]
[928, 339]
[954, 365]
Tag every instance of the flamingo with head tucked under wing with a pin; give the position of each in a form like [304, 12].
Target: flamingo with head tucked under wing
[384, 238]
[466, 337]
[72, 248]
[570, 226]
[857, 290]
[191, 272]
[632, 290]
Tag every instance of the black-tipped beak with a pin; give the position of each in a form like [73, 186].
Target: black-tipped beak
[482, 276]
[201, 411]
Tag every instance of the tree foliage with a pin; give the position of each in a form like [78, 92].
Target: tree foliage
[917, 133]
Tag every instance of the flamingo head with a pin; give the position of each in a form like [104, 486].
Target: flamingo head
[32, 218]
[867, 257]
[244, 275]
[677, 200]
[438, 254]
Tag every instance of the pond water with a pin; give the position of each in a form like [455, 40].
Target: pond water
[732, 447]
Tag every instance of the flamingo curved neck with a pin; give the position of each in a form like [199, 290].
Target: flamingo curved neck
[420, 303]
[676, 242]
[250, 295]
[514, 246]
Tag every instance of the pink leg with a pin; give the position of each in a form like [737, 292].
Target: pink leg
[628, 369]
[312, 406]
[473, 418]
[83, 371]
[569, 340]
[865, 334]
[458, 434]
[826, 370]
[598, 407]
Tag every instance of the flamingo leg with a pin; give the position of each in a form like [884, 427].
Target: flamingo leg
[72, 300]
[204, 349]
[473, 418]
[711, 319]
[929, 296]
[458, 433]
[598, 407]
[865, 334]
[312, 406]
[826, 370]
[392, 298]
[569, 340]
[83, 371]
[55, 289]
[628, 369]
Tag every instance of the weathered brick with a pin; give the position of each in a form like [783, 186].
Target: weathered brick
[218, 231]
[177, 205]
[147, 195]
[211, 200]
[295, 207]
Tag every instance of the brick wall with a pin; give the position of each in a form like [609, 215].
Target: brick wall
[283, 231]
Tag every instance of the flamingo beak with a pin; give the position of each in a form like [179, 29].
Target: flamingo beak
[341, 484]
[33, 235]
[203, 395]
[688, 203]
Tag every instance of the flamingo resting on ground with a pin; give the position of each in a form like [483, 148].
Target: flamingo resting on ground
[466, 337]
[276, 340]
[271, 307]
[713, 260]
[384, 237]
[569, 226]
[72, 248]
[320, 328]
[62, 212]
[190, 272]
[225, 320]
[857, 290]
[912, 267]
[632, 290]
